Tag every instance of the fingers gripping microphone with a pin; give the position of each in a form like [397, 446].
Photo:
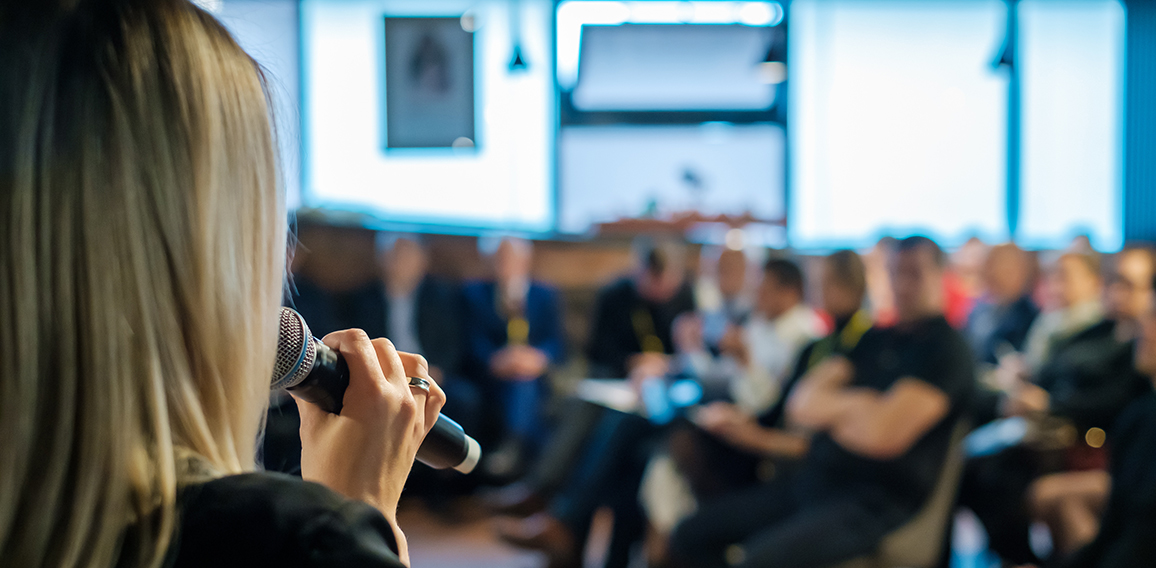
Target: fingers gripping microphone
[314, 372]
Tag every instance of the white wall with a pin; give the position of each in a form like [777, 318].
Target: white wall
[1072, 66]
[898, 121]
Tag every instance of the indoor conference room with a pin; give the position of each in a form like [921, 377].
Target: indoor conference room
[578, 283]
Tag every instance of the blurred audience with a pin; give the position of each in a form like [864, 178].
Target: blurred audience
[419, 314]
[1074, 287]
[631, 337]
[631, 333]
[791, 435]
[1072, 385]
[961, 283]
[633, 321]
[1071, 502]
[1124, 539]
[611, 471]
[727, 448]
[757, 355]
[883, 417]
[722, 293]
[1005, 311]
[879, 293]
[513, 331]
[967, 262]
[1088, 377]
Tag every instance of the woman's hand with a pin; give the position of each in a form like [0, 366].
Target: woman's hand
[367, 451]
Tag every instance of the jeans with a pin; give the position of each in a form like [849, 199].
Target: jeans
[783, 525]
[609, 473]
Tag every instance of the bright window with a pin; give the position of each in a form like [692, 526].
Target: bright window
[673, 67]
[1072, 66]
[898, 121]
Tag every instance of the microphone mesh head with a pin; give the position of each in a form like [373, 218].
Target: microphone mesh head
[295, 351]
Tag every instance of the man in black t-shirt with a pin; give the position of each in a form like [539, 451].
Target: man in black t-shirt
[883, 418]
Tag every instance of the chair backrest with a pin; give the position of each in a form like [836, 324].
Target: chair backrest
[919, 542]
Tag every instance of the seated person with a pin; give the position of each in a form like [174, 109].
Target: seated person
[1071, 502]
[513, 330]
[1076, 288]
[1001, 320]
[631, 332]
[729, 445]
[1089, 378]
[1086, 380]
[883, 418]
[417, 312]
[611, 471]
[722, 295]
[728, 449]
[1005, 312]
[634, 316]
[879, 300]
[1129, 520]
[757, 356]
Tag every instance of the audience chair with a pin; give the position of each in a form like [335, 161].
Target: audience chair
[920, 542]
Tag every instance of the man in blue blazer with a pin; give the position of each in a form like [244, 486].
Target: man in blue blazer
[513, 331]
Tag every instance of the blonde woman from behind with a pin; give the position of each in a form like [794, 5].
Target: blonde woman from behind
[141, 268]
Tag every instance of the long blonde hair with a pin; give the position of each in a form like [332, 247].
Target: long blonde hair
[142, 241]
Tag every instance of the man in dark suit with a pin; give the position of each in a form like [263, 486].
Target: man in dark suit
[419, 314]
[513, 331]
[634, 318]
[1001, 319]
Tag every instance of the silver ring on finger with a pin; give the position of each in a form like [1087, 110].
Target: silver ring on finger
[418, 382]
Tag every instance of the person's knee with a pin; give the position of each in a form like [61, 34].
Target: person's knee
[1043, 496]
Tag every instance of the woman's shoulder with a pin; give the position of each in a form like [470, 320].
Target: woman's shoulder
[268, 519]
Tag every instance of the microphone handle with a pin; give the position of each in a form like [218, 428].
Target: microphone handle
[446, 446]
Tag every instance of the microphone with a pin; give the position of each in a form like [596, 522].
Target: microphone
[318, 374]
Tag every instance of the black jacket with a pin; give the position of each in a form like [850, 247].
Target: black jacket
[260, 520]
[1091, 379]
[1011, 326]
[614, 337]
[1129, 521]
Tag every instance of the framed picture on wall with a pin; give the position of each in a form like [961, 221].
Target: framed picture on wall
[429, 83]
